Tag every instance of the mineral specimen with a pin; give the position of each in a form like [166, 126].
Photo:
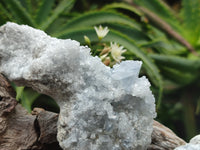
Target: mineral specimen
[195, 140]
[189, 147]
[101, 108]
[194, 144]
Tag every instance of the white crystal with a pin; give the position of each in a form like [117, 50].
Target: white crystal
[189, 147]
[194, 144]
[195, 140]
[100, 108]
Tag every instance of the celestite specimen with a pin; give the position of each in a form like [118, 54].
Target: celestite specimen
[101, 108]
[194, 144]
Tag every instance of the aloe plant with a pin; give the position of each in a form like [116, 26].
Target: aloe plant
[39, 14]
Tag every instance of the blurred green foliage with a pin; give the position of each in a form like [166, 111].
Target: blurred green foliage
[166, 40]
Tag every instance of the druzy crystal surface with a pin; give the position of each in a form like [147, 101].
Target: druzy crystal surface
[189, 147]
[194, 144]
[101, 108]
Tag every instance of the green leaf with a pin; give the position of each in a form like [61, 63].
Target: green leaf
[19, 91]
[191, 19]
[189, 114]
[53, 28]
[78, 34]
[122, 6]
[21, 16]
[28, 97]
[97, 17]
[182, 78]
[170, 86]
[180, 63]
[61, 7]
[133, 33]
[26, 4]
[163, 44]
[4, 14]
[44, 10]
[161, 9]
[198, 107]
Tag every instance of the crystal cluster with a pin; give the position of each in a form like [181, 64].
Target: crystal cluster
[194, 144]
[101, 108]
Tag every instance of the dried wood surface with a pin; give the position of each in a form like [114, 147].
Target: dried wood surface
[20, 130]
[163, 138]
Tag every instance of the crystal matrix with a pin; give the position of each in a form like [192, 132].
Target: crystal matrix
[100, 108]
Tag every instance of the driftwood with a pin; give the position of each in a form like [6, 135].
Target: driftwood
[163, 138]
[20, 130]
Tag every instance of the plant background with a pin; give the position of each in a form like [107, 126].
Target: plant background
[165, 35]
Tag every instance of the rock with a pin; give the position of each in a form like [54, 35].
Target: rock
[100, 108]
[194, 144]
[195, 140]
[189, 147]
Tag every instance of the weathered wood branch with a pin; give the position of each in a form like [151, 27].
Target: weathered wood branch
[163, 138]
[20, 130]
